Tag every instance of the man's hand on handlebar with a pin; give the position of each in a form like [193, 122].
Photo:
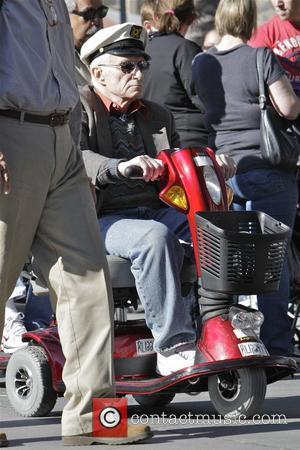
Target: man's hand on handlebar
[152, 168]
[227, 165]
[4, 176]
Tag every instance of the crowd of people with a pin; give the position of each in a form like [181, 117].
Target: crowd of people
[95, 101]
[232, 115]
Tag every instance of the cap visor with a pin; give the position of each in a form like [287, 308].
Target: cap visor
[130, 52]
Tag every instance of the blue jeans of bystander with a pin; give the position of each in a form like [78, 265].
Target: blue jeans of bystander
[273, 192]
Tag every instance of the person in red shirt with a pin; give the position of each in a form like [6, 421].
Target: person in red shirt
[282, 35]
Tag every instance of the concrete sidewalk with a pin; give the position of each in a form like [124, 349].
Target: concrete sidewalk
[187, 421]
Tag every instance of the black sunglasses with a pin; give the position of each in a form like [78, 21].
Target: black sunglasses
[129, 66]
[92, 13]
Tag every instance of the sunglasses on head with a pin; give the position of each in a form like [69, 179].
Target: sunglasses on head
[92, 13]
[130, 66]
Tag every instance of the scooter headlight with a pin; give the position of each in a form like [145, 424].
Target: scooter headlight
[244, 320]
[212, 184]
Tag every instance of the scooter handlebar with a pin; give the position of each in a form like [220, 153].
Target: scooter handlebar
[133, 172]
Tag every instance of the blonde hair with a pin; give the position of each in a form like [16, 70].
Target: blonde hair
[236, 17]
[171, 14]
[148, 9]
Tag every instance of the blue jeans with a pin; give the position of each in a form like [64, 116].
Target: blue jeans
[38, 311]
[149, 238]
[274, 192]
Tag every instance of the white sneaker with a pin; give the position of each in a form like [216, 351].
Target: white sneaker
[13, 329]
[180, 359]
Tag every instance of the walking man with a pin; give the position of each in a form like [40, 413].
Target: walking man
[49, 210]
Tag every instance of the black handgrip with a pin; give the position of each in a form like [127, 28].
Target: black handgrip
[133, 172]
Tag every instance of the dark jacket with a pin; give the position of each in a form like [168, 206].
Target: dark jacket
[168, 82]
[156, 125]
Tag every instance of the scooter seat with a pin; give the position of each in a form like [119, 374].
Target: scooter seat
[122, 277]
[120, 273]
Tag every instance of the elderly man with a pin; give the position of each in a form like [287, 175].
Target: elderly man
[119, 129]
[282, 35]
[49, 208]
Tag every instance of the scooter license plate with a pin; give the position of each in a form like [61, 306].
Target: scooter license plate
[144, 346]
[253, 349]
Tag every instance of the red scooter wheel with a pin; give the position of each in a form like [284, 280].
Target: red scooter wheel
[28, 382]
[238, 393]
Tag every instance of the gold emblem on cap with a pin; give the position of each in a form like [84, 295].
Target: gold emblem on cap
[136, 31]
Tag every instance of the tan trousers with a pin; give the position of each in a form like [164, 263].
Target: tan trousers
[50, 212]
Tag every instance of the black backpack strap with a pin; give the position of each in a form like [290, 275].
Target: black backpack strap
[1, 3]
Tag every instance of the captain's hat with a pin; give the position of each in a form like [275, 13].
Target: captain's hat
[124, 39]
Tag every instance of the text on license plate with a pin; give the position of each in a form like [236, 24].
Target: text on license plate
[144, 346]
[253, 348]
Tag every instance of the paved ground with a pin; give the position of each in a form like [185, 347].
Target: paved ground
[277, 429]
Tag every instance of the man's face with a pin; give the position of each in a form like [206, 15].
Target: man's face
[287, 9]
[83, 29]
[114, 83]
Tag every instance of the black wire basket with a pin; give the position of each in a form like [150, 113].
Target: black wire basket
[241, 252]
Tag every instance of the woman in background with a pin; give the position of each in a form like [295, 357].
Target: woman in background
[168, 80]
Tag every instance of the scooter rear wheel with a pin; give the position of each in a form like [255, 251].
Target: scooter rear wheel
[28, 382]
[158, 399]
[238, 393]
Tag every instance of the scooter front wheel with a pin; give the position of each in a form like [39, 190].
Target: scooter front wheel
[238, 393]
[158, 399]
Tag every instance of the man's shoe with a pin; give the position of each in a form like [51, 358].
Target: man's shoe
[135, 433]
[3, 440]
[178, 360]
[13, 328]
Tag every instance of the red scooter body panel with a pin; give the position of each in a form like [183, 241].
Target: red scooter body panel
[181, 170]
[48, 339]
[126, 349]
[218, 341]
[127, 345]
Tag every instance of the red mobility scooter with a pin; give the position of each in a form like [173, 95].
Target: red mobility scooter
[235, 253]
